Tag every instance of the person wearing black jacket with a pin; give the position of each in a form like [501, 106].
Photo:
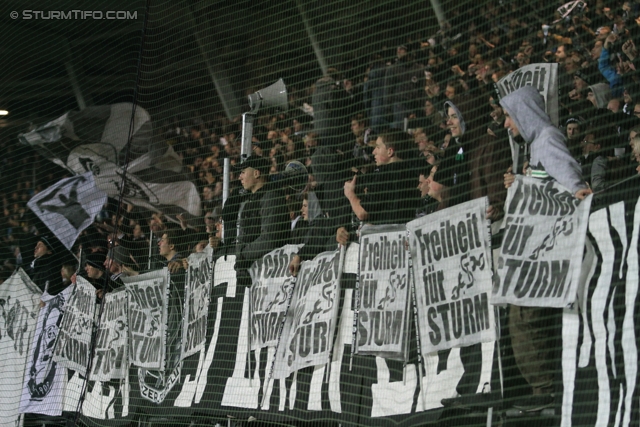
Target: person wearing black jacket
[403, 88]
[44, 270]
[263, 221]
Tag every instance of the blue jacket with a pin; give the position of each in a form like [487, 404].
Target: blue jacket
[609, 73]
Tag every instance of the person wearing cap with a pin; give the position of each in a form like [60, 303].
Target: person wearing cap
[45, 268]
[94, 269]
[573, 129]
[263, 221]
[117, 264]
[534, 344]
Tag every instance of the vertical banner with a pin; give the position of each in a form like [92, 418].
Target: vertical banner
[19, 304]
[74, 338]
[44, 379]
[270, 291]
[110, 360]
[541, 254]
[543, 77]
[308, 331]
[147, 316]
[196, 302]
[451, 257]
[384, 291]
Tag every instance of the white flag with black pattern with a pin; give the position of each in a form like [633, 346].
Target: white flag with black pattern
[69, 206]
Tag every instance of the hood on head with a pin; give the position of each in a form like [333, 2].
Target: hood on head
[463, 125]
[526, 108]
[602, 93]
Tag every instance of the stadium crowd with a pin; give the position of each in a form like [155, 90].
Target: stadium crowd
[415, 133]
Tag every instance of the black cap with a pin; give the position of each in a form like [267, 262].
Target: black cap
[262, 164]
[96, 260]
[49, 242]
[120, 255]
[591, 74]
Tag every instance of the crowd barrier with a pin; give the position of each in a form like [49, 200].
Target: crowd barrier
[377, 333]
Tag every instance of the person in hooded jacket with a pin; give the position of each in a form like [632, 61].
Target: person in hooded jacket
[475, 158]
[455, 171]
[533, 329]
[599, 95]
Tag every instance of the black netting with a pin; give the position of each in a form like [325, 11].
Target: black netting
[180, 160]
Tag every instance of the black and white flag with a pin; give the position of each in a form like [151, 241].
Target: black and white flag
[196, 302]
[19, 304]
[69, 206]
[108, 125]
[140, 181]
[541, 253]
[383, 291]
[270, 292]
[600, 332]
[451, 257]
[44, 379]
[147, 296]
[74, 338]
[95, 140]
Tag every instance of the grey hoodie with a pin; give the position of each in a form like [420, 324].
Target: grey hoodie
[549, 152]
[602, 94]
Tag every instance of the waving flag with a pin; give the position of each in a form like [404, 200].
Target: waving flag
[69, 206]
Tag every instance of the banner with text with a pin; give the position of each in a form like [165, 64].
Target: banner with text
[383, 291]
[147, 317]
[308, 332]
[543, 77]
[451, 252]
[541, 253]
[44, 378]
[196, 302]
[110, 360]
[74, 339]
[19, 303]
[270, 292]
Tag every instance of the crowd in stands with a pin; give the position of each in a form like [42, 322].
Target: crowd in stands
[341, 118]
[413, 134]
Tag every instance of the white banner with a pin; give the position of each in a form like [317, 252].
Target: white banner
[543, 77]
[74, 338]
[147, 317]
[541, 254]
[383, 291]
[308, 332]
[196, 302]
[19, 303]
[44, 379]
[270, 291]
[110, 360]
[69, 206]
[451, 257]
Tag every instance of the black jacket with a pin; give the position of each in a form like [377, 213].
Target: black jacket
[263, 225]
[45, 271]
